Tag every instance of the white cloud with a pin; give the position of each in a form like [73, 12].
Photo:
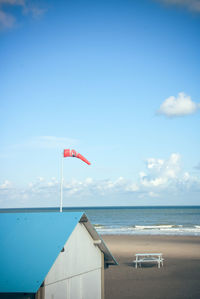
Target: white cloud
[162, 178]
[142, 174]
[7, 20]
[31, 8]
[154, 182]
[191, 5]
[186, 176]
[43, 192]
[13, 2]
[182, 105]
[161, 172]
[101, 187]
[5, 185]
[132, 187]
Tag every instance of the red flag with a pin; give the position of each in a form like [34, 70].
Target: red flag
[73, 153]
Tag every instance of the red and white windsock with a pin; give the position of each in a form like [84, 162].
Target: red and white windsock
[73, 153]
[69, 153]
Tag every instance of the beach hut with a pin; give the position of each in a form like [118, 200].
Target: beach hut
[51, 256]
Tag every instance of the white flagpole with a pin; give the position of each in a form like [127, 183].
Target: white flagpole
[61, 185]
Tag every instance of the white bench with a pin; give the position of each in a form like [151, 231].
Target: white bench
[148, 258]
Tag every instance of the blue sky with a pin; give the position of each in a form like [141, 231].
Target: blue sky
[118, 81]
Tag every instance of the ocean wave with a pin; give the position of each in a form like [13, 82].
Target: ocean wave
[151, 230]
[98, 225]
[165, 226]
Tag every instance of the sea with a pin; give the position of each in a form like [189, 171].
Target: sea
[169, 220]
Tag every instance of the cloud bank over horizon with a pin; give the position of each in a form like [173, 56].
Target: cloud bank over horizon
[162, 177]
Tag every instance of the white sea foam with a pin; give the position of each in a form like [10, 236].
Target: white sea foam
[153, 226]
[150, 230]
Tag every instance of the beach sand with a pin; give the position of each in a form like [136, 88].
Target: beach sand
[178, 279]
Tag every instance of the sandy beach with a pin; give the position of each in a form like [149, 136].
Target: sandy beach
[178, 279]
